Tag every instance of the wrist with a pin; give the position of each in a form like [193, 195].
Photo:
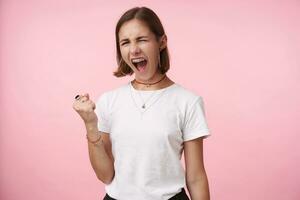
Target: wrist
[91, 127]
[94, 139]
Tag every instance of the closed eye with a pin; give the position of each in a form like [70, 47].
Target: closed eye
[139, 41]
[124, 43]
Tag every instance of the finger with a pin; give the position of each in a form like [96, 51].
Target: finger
[87, 95]
[91, 103]
[83, 99]
[75, 107]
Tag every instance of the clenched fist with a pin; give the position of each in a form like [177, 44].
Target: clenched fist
[85, 108]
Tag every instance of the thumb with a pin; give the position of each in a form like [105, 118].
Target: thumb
[87, 95]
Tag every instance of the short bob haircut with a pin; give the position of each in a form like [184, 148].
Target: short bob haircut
[147, 16]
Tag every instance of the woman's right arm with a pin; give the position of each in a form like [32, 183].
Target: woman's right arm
[100, 153]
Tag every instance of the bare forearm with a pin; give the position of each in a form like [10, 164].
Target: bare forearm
[100, 160]
[199, 189]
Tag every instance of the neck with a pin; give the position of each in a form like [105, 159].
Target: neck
[159, 82]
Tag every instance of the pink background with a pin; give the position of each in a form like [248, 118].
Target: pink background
[241, 57]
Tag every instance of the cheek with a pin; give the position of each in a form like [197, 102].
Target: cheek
[153, 55]
[124, 54]
[122, 50]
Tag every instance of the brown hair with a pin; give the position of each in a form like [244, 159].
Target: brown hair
[152, 21]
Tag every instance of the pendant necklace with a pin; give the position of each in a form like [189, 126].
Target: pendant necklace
[144, 102]
[148, 85]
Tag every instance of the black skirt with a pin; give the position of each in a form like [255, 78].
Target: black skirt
[179, 196]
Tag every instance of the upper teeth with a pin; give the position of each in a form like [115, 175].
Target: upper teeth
[137, 60]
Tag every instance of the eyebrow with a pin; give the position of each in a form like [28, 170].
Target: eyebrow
[140, 37]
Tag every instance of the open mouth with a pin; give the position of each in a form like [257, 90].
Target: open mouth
[139, 63]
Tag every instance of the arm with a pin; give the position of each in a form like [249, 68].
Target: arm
[100, 154]
[196, 178]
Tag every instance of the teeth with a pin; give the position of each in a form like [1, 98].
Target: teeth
[137, 60]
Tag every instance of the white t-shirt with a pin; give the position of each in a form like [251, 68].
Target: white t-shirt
[147, 143]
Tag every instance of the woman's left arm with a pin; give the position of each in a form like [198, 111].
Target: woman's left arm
[196, 179]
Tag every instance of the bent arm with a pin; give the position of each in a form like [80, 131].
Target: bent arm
[196, 179]
[100, 154]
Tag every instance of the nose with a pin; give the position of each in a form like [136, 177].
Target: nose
[134, 49]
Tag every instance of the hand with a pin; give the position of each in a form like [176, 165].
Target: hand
[85, 108]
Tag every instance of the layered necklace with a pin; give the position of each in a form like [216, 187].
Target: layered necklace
[148, 85]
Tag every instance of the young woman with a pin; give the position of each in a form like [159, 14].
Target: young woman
[137, 132]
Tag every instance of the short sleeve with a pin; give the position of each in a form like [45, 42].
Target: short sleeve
[101, 111]
[195, 124]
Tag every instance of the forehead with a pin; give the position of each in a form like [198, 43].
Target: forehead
[134, 28]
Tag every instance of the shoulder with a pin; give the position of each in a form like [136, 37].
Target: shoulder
[186, 95]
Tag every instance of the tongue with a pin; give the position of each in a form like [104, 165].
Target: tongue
[141, 66]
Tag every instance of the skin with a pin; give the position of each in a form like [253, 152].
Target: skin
[101, 155]
[196, 178]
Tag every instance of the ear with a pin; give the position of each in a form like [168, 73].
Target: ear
[163, 42]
